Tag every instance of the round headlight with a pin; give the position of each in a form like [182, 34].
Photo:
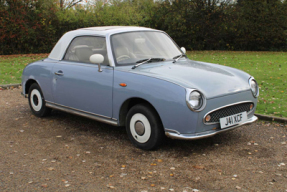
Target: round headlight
[254, 87]
[195, 100]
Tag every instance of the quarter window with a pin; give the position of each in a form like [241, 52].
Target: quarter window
[82, 48]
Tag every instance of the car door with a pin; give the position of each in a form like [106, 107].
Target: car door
[78, 84]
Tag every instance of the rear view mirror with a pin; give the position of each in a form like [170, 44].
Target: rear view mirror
[97, 59]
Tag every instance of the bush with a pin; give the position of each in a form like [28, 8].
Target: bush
[26, 26]
[34, 26]
[219, 25]
[260, 26]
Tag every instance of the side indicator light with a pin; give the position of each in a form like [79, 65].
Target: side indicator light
[123, 84]
[207, 118]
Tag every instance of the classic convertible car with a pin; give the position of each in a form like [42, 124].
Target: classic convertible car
[139, 78]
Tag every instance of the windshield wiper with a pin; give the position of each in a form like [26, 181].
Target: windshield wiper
[176, 58]
[143, 61]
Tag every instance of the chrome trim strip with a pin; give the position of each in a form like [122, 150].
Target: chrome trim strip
[171, 130]
[241, 102]
[93, 116]
[77, 109]
[207, 133]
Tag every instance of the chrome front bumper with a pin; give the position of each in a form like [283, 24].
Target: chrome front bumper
[207, 133]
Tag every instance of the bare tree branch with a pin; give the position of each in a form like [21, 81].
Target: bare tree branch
[73, 3]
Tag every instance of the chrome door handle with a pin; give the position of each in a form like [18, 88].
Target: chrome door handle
[60, 73]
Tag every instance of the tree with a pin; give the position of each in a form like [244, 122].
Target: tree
[260, 25]
[66, 4]
[26, 26]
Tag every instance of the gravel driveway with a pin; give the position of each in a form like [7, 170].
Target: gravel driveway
[64, 152]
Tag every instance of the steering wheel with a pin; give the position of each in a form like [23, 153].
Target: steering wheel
[123, 57]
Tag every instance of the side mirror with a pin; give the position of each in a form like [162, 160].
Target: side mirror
[183, 50]
[97, 59]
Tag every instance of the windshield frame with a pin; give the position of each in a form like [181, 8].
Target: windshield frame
[131, 64]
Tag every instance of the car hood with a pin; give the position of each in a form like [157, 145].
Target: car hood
[212, 80]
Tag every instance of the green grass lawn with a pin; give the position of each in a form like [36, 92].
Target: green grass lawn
[268, 68]
[11, 66]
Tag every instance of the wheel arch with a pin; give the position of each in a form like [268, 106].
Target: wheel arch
[28, 84]
[128, 104]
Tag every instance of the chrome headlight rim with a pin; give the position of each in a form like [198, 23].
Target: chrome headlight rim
[255, 94]
[188, 92]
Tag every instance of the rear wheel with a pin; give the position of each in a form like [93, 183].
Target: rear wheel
[144, 127]
[37, 102]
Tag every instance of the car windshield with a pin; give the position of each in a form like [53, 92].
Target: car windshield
[131, 47]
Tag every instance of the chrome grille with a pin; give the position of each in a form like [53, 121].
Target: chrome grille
[227, 111]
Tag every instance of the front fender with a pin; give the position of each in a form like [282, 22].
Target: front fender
[167, 98]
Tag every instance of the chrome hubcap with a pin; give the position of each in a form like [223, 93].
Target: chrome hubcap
[139, 128]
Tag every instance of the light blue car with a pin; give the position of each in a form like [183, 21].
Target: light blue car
[139, 78]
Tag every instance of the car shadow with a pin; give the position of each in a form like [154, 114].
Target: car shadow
[77, 125]
[187, 147]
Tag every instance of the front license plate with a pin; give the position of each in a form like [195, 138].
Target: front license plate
[233, 120]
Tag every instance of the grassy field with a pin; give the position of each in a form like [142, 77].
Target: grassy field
[268, 68]
[11, 66]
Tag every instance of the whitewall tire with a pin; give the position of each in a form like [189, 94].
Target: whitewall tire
[140, 128]
[144, 127]
[37, 102]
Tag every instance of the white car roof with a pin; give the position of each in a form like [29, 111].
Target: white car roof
[60, 48]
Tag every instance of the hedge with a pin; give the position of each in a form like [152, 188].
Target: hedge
[34, 26]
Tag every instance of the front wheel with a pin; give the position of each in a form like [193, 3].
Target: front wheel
[144, 127]
[37, 101]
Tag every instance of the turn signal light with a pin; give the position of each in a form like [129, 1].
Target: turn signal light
[207, 118]
[251, 106]
[123, 84]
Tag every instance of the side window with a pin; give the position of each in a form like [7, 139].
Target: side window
[83, 47]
